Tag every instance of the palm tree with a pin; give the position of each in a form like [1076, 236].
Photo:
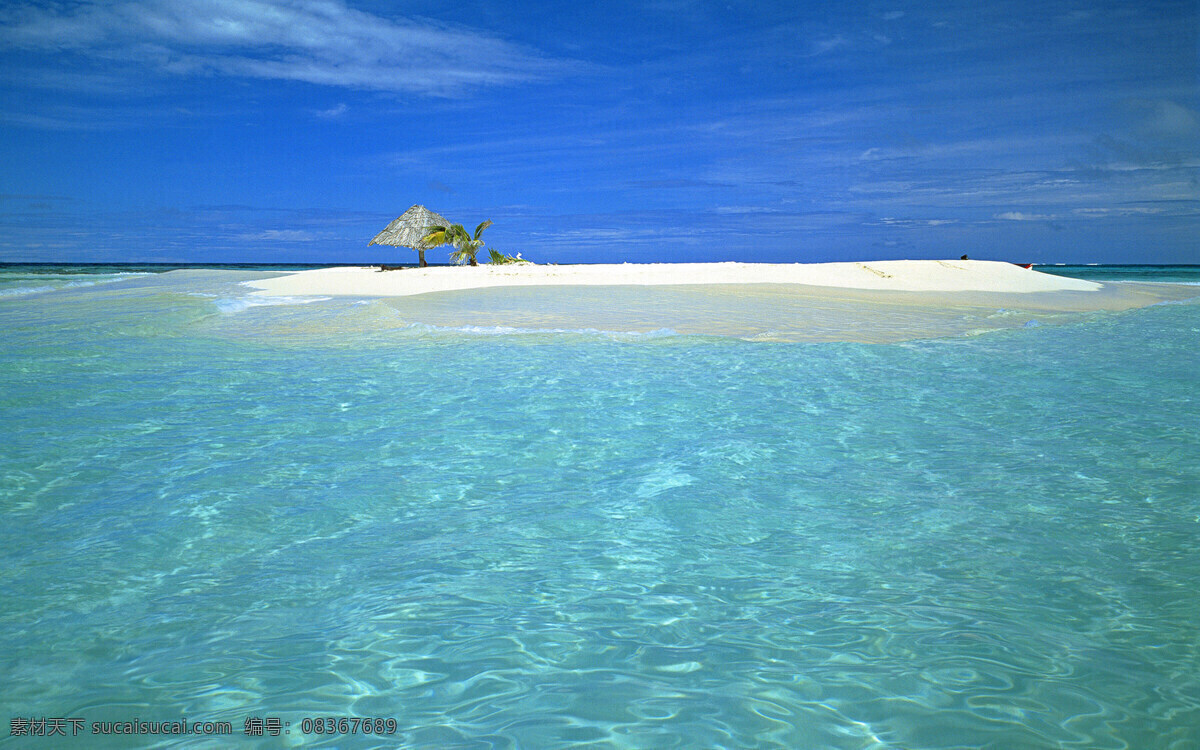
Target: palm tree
[465, 245]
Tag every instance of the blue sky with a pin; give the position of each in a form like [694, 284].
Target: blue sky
[248, 130]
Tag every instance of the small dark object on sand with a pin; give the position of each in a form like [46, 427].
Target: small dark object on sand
[390, 268]
[964, 258]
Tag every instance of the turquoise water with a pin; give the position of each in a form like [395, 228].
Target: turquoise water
[217, 509]
[1097, 272]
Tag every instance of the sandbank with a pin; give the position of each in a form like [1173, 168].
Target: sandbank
[887, 275]
[867, 302]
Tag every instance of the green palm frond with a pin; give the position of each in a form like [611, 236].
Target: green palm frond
[465, 246]
[450, 235]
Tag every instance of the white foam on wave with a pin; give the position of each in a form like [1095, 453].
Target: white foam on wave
[1187, 301]
[238, 304]
[473, 330]
[22, 291]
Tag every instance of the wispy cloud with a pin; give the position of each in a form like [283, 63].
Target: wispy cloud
[821, 46]
[316, 41]
[332, 113]
[1021, 216]
[82, 231]
[894, 222]
[71, 117]
[738, 210]
[1163, 118]
[279, 235]
[1104, 213]
[677, 183]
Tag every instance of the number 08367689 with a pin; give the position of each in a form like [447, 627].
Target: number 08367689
[348, 725]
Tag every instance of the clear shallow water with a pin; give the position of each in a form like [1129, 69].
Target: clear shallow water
[630, 540]
[26, 279]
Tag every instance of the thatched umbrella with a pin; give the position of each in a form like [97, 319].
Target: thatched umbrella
[409, 230]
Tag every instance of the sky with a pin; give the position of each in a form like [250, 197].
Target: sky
[293, 131]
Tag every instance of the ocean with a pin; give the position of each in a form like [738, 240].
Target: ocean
[330, 523]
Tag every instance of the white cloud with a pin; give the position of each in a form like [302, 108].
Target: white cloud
[1100, 213]
[280, 235]
[317, 41]
[1166, 119]
[1019, 216]
[822, 46]
[894, 222]
[332, 114]
[745, 210]
[966, 148]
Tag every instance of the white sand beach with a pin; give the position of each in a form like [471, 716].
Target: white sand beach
[869, 302]
[886, 275]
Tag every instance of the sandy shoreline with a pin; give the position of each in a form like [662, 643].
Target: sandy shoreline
[888, 275]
